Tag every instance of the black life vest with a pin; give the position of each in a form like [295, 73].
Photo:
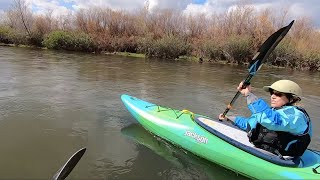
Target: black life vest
[280, 142]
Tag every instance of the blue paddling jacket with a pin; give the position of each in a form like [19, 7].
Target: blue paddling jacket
[283, 131]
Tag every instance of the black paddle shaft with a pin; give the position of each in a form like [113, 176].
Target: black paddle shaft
[266, 48]
[244, 85]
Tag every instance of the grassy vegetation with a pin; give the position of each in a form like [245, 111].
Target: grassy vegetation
[136, 55]
[230, 37]
[167, 47]
[71, 41]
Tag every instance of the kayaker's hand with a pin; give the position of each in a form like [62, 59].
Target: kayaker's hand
[222, 117]
[245, 91]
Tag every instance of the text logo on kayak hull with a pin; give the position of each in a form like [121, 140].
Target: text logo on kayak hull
[197, 137]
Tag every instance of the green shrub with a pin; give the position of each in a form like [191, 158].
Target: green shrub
[35, 39]
[144, 43]
[284, 55]
[5, 35]
[71, 41]
[212, 50]
[238, 49]
[168, 47]
[11, 36]
[19, 38]
[311, 61]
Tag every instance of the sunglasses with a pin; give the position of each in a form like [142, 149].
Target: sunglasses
[277, 93]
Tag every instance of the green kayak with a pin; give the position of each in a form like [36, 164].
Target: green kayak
[220, 142]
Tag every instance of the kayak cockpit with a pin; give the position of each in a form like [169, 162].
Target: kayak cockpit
[239, 139]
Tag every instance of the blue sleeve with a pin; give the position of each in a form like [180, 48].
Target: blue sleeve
[255, 107]
[241, 122]
[288, 118]
[258, 106]
[246, 124]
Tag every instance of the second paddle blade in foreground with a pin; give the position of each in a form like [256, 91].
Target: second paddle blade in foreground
[65, 170]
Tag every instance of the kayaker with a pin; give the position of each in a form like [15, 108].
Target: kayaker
[283, 128]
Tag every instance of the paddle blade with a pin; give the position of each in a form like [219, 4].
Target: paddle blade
[267, 47]
[65, 170]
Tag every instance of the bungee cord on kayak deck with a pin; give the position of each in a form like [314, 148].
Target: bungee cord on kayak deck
[184, 111]
[165, 108]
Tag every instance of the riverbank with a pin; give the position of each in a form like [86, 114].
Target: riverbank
[191, 59]
[232, 37]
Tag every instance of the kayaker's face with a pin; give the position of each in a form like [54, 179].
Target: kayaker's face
[278, 99]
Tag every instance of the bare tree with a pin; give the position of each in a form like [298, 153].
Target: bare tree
[196, 25]
[65, 22]
[20, 14]
[165, 22]
[81, 21]
[41, 25]
[3, 18]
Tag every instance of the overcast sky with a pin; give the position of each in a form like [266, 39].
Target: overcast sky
[297, 8]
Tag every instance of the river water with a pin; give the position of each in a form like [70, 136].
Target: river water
[54, 103]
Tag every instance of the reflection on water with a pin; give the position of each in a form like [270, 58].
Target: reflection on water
[183, 163]
[54, 103]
